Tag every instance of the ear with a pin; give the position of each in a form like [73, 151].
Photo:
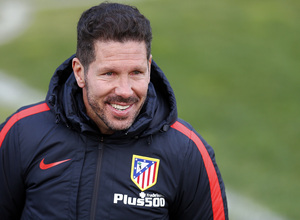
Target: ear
[150, 61]
[78, 70]
[149, 65]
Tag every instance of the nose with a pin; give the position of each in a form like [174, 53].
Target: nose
[124, 87]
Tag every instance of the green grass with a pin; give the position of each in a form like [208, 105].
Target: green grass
[234, 66]
[35, 55]
[5, 112]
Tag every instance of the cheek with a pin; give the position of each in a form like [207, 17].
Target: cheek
[142, 89]
[98, 88]
[93, 94]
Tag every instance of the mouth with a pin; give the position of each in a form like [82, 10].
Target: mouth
[120, 104]
[120, 107]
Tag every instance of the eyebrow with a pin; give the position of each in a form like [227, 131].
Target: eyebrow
[110, 68]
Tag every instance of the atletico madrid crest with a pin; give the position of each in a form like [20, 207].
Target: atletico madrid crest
[144, 171]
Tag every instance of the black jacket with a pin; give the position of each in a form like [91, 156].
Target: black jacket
[55, 164]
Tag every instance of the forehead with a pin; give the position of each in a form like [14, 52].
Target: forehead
[114, 50]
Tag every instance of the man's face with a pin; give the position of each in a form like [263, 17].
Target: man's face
[116, 83]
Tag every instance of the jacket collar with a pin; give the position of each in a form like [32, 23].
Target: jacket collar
[65, 100]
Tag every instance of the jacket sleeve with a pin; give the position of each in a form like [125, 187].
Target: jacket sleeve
[201, 189]
[11, 184]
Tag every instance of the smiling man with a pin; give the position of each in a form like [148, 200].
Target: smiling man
[115, 84]
[107, 143]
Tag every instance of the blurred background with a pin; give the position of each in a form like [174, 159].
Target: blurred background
[234, 67]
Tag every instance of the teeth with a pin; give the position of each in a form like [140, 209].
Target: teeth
[120, 107]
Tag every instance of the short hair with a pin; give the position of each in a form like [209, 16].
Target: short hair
[110, 21]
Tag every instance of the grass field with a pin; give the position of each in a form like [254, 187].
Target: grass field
[234, 66]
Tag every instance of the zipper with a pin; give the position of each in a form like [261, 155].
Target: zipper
[97, 181]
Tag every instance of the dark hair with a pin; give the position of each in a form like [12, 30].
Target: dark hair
[110, 21]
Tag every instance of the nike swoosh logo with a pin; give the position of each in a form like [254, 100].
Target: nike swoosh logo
[44, 166]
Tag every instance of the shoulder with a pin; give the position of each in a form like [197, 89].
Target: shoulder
[191, 142]
[185, 131]
[26, 118]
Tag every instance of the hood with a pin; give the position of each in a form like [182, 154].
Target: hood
[64, 98]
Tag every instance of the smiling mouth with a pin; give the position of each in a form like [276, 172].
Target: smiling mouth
[120, 107]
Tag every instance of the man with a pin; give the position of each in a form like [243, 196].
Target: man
[107, 143]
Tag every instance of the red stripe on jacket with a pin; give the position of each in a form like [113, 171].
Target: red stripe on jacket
[22, 114]
[215, 189]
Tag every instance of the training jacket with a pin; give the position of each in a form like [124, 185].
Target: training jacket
[55, 164]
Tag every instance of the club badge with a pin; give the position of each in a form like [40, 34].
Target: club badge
[144, 171]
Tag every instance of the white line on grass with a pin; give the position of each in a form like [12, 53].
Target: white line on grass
[15, 17]
[242, 208]
[14, 93]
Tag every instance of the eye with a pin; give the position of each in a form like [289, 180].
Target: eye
[109, 73]
[136, 72]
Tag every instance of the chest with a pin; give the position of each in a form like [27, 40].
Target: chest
[99, 180]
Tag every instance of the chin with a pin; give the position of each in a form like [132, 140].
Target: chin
[117, 126]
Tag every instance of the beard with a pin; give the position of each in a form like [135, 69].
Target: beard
[113, 123]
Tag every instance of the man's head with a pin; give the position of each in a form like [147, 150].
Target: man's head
[113, 64]
[110, 22]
